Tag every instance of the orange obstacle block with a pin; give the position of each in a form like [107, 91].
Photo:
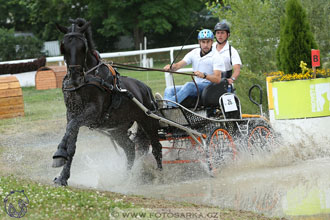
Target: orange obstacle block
[60, 72]
[50, 77]
[11, 97]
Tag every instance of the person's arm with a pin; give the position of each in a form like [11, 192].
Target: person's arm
[215, 77]
[175, 66]
[218, 66]
[236, 66]
[236, 72]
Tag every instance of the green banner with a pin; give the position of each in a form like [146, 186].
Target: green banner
[301, 98]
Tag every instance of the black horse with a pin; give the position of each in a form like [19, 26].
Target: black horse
[97, 97]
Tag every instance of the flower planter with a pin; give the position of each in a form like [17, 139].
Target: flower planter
[299, 98]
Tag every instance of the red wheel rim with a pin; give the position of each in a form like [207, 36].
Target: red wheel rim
[221, 149]
[260, 135]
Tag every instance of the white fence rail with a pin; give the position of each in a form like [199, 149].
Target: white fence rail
[168, 77]
[117, 54]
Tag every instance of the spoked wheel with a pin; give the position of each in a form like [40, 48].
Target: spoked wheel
[260, 138]
[220, 150]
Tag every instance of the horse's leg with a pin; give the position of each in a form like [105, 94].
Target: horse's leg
[121, 137]
[142, 143]
[65, 174]
[150, 128]
[157, 152]
[66, 151]
[60, 157]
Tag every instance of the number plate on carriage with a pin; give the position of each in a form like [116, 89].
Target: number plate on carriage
[229, 103]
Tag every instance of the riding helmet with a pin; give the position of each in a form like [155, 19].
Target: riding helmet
[205, 34]
[222, 26]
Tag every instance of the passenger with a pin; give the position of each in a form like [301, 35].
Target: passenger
[207, 66]
[230, 54]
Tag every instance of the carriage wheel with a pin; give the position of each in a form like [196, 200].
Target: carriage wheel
[220, 149]
[260, 138]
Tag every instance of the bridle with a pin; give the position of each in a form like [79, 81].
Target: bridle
[81, 37]
[88, 78]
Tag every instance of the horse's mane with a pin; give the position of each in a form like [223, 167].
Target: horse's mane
[88, 33]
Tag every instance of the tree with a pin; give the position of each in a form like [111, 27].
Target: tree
[13, 15]
[319, 17]
[141, 17]
[296, 39]
[44, 14]
[254, 30]
[7, 44]
[112, 19]
[18, 47]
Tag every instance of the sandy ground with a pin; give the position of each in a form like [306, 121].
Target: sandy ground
[291, 181]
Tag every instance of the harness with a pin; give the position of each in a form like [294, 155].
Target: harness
[92, 79]
[97, 81]
[229, 72]
[104, 86]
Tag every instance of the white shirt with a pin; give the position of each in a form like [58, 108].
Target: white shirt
[206, 64]
[224, 52]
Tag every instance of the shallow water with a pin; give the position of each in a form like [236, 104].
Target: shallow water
[291, 181]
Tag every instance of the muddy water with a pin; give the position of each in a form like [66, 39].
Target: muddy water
[291, 181]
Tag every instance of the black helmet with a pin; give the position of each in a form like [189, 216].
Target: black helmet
[222, 26]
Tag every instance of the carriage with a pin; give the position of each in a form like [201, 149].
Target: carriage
[211, 128]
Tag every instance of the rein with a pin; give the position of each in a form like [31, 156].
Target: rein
[138, 68]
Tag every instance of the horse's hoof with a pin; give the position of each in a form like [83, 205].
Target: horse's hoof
[60, 182]
[61, 153]
[58, 162]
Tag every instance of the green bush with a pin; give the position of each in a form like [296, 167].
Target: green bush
[7, 44]
[20, 47]
[296, 39]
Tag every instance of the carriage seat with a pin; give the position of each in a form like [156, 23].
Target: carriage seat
[209, 97]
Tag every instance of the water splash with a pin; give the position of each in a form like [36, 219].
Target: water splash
[281, 182]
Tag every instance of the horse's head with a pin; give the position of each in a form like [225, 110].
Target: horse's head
[74, 47]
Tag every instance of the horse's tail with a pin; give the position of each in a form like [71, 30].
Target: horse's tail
[152, 99]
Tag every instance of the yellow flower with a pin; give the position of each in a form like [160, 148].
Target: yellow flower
[306, 73]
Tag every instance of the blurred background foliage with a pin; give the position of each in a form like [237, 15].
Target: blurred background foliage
[255, 24]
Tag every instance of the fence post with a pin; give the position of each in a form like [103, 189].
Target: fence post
[141, 61]
[169, 76]
[145, 64]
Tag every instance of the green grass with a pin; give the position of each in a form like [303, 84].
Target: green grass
[41, 104]
[48, 202]
[38, 105]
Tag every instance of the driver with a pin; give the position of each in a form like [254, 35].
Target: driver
[207, 65]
